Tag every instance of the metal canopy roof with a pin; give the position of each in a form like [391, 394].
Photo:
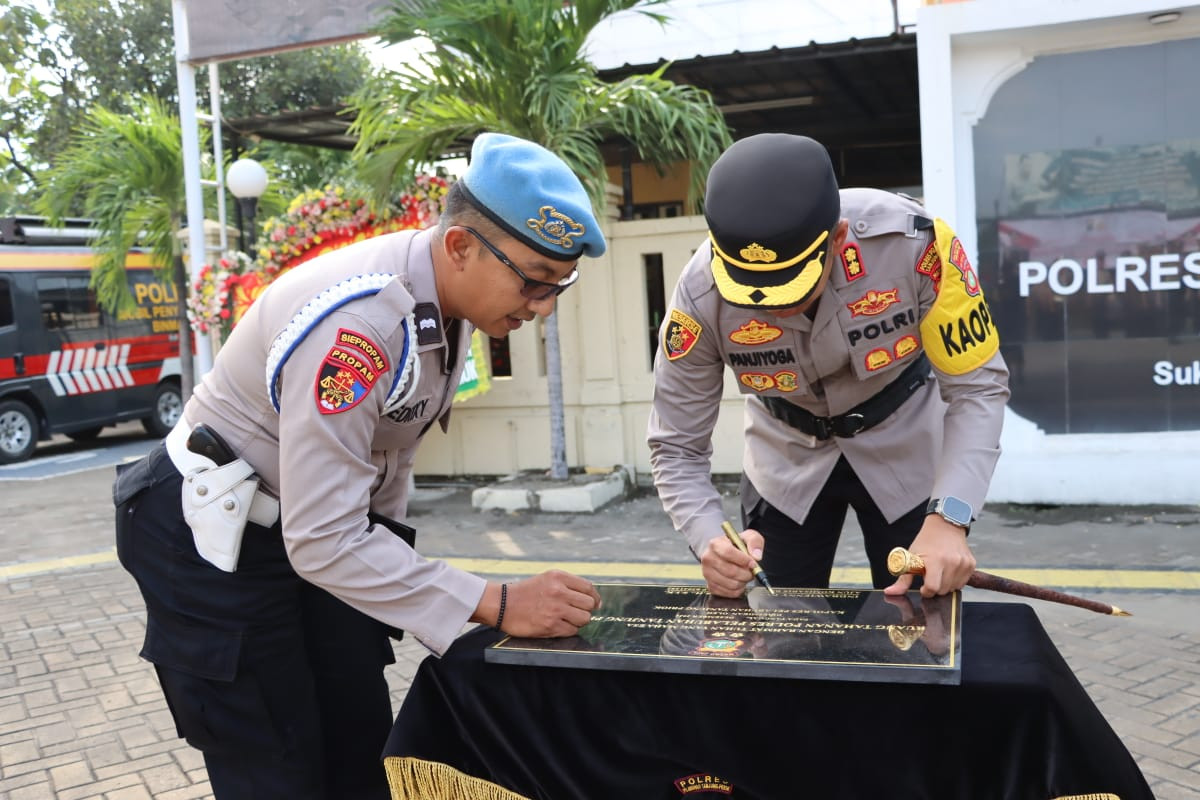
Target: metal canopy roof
[859, 98]
[318, 127]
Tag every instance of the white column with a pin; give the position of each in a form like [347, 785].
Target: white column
[186, 74]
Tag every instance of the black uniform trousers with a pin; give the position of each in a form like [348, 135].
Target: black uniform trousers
[801, 554]
[277, 682]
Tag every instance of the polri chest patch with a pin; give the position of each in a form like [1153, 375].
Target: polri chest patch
[680, 335]
[349, 372]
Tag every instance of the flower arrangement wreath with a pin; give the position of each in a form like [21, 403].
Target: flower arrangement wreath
[316, 222]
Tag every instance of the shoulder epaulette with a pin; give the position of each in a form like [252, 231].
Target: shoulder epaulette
[324, 304]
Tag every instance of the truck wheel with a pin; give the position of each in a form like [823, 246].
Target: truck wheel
[18, 431]
[168, 406]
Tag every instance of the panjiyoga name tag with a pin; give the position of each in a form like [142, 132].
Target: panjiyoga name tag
[823, 634]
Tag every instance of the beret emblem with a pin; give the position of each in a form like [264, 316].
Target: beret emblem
[756, 252]
[555, 227]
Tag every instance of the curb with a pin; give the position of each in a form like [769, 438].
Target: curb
[584, 498]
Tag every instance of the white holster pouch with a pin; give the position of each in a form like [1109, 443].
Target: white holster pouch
[218, 501]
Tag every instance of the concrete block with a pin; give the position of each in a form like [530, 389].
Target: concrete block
[512, 499]
[587, 497]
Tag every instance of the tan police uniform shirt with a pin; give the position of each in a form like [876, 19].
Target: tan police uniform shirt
[943, 441]
[328, 469]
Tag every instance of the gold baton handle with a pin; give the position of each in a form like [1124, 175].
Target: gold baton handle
[901, 562]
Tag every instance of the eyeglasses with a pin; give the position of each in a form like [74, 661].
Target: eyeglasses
[531, 289]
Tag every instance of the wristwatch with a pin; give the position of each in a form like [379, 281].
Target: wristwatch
[953, 510]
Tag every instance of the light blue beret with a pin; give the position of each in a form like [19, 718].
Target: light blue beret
[534, 196]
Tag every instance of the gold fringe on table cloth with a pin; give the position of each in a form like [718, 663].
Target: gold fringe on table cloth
[416, 779]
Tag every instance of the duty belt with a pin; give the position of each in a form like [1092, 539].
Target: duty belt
[866, 414]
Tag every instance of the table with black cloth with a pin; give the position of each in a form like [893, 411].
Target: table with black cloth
[1020, 726]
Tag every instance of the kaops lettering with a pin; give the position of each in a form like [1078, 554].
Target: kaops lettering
[969, 331]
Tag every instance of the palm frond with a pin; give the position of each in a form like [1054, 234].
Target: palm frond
[520, 67]
[127, 169]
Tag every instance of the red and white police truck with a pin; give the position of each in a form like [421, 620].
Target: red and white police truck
[67, 366]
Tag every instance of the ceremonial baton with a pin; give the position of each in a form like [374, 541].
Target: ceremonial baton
[902, 562]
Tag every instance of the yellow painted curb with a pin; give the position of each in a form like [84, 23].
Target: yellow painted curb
[1115, 579]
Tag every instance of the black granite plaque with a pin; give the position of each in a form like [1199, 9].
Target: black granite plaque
[829, 634]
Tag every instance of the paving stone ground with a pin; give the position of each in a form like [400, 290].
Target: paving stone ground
[82, 717]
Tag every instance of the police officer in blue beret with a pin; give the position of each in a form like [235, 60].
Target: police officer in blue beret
[266, 532]
[855, 327]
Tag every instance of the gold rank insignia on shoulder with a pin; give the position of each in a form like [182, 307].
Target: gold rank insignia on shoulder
[756, 252]
[755, 332]
[555, 227]
[852, 263]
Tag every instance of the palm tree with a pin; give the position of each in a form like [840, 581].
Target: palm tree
[127, 169]
[519, 67]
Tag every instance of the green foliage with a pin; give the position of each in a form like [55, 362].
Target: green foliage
[126, 172]
[55, 68]
[316, 77]
[26, 57]
[520, 67]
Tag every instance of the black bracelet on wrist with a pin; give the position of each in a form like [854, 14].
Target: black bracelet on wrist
[503, 603]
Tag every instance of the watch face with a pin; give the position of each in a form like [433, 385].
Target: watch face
[956, 511]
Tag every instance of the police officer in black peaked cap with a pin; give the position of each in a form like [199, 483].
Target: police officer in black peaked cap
[857, 331]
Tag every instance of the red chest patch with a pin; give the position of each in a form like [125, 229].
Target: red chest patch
[874, 302]
[755, 332]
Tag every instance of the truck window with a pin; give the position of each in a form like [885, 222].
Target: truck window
[6, 304]
[68, 304]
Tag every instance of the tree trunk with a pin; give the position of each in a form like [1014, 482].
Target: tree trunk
[187, 369]
[558, 436]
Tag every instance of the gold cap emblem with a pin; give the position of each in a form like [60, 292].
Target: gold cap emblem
[555, 227]
[756, 252]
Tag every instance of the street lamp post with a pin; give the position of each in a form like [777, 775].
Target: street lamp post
[247, 180]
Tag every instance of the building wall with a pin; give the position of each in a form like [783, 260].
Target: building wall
[967, 53]
[605, 325]
[651, 187]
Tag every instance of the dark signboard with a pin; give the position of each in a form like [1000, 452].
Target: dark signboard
[1089, 238]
